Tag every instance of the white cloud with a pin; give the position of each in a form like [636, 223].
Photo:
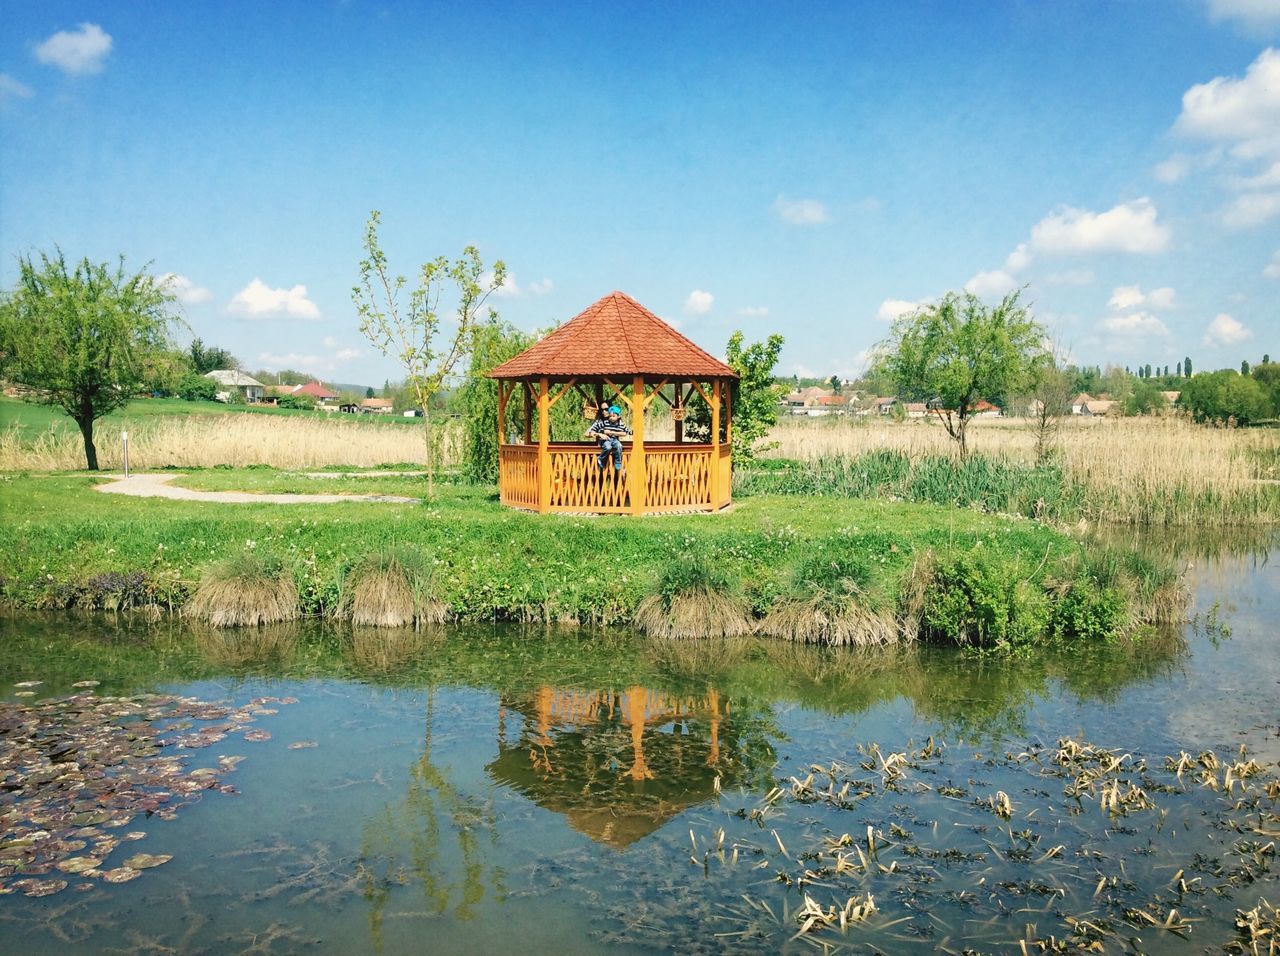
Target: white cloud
[1254, 14]
[510, 288]
[1070, 277]
[754, 311]
[994, 283]
[1251, 209]
[183, 289]
[259, 299]
[1134, 324]
[344, 355]
[12, 89]
[1268, 178]
[1244, 110]
[800, 212]
[1272, 269]
[1019, 259]
[1128, 227]
[1131, 296]
[313, 362]
[891, 309]
[78, 51]
[1174, 169]
[1225, 330]
[699, 302]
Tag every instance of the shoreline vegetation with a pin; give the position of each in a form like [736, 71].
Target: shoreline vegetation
[836, 571]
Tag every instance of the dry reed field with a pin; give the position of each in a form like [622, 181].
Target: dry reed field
[1133, 465]
[233, 439]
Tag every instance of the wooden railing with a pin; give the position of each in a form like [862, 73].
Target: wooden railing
[677, 477]
[518, 475]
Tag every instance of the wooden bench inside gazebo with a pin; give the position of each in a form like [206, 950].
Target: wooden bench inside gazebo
[616, 351]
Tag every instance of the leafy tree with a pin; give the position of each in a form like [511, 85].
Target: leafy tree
[1268, 376]
[408, 331]
[1144, 399]
[1186, 366]
[1266, 359]
[207, 358]
[368, 392]
[1227, 397]
[1244, 366]
[958, 352]
[197, 388]
[1048, 402]
[754, 398]
[86, 338]
[834, 381]
[1179, 370]
[494, 343]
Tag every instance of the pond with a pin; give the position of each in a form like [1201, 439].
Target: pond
[475, 790]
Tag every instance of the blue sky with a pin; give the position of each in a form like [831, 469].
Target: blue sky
[804, 168]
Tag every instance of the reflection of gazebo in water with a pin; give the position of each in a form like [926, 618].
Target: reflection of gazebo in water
[617, 350]
[615, 765]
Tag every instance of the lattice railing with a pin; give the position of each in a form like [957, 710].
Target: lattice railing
[677, 479]
[578, 483]
[518, 475]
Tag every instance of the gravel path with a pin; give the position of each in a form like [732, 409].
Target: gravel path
[158, 486]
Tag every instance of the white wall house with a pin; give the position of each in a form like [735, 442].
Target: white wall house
[230, 380]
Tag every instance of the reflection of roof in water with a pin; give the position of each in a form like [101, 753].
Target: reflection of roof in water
[617, 766]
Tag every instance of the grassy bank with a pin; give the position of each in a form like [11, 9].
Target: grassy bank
[1162, 471]
[940, 573]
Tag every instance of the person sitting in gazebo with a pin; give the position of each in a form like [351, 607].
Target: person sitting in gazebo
[609, 432]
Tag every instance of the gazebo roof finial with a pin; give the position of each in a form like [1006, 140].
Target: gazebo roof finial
[614, 336]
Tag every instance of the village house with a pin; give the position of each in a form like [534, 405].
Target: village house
[376, 406]
[1098, 407]
[1079, 402]
[233, 382]
[325, 398]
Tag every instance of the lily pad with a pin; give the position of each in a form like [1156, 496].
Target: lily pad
[135, 835]
[78, 864]
[143, 861]
[256, 735]
[303, 745]
[86, 683]
[28, 683]
[121, 874]
[41, 887]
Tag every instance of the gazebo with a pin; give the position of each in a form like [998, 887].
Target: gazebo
[616, 350]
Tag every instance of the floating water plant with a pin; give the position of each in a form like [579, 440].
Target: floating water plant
[692, 598]
[391, 587]
[244, 590]
[828, 603]
[76, 771]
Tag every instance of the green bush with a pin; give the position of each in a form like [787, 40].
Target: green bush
[197, 388]
[982, 601]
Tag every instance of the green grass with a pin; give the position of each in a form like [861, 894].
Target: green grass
[33, 418]
[273, 481]
[64, 544]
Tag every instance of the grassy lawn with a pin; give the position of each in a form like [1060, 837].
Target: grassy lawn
[63, 542]
[329, 482]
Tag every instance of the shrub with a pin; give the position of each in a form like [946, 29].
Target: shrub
[391, 588]
[693, 598]
[245, 590]
[197, 388]
[980, 600]
[826, 604]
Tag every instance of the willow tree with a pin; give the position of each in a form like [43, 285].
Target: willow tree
[958, 352]
[86, 339]
[427, 342]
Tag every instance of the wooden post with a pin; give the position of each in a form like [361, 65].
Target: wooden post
[680, 405]
[637, 476]
[715, 444]
[544, 438]
[504, 395]
[528, 413]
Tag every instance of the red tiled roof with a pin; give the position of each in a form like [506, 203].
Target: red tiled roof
[315, 390]
[615, 336]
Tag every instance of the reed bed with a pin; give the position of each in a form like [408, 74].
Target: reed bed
[1150, 471]
[238, 439]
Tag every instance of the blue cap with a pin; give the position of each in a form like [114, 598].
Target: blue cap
[615, 410]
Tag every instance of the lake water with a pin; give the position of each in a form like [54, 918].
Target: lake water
[559, 792]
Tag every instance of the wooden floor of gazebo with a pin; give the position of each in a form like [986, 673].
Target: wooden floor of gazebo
[678, 477]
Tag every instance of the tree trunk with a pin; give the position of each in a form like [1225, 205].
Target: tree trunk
[960, 437]
[431, 454]
[90, 452]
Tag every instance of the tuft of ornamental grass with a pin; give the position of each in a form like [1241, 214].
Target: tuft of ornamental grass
[694, 599]
[827, 603]
[244, 646]
[391, 587]
[245, 590]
